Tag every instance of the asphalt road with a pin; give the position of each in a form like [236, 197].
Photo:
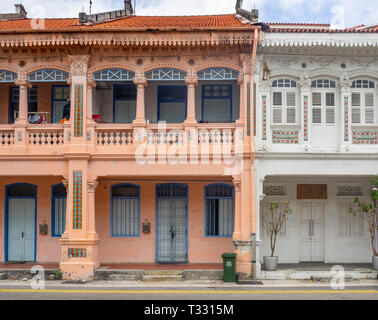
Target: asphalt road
[187, 293]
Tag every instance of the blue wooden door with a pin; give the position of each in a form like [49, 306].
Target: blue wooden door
[21, 229]
[171, 235]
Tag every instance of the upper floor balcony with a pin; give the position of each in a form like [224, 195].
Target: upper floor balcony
[118, 110]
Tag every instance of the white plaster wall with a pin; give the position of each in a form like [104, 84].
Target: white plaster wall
[336, 249]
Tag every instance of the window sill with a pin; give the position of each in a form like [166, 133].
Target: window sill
[364, 126]
[278, 126]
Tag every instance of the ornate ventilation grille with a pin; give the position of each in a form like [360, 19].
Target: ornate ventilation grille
[48, 76]
[165, 75]
[349, 190]
[218, 74]
[274, 189]
[114, 75]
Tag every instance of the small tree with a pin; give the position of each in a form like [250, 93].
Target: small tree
[368, 211]
[273, 221]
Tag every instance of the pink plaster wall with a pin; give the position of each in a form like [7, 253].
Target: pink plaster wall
[48, 248]
[142, 250]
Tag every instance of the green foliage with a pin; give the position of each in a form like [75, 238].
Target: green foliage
[368, 211]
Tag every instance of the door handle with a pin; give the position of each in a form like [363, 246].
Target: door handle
[22, 234]
[173, 235]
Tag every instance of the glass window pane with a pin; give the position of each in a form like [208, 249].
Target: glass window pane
[125, 111]
[217, 110]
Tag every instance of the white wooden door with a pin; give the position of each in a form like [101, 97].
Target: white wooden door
[21, 229]
[311, 232]
[324, 121]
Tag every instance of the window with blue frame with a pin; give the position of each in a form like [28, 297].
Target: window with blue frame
[125, 210]
[219, 210]
[124, 110]
[60, 102]
[172, 104]
[15, 100]
[217, 103]
[59, 204]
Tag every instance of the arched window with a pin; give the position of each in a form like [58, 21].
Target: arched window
[363, 102]
[58, 210]
[284, 101]
[218, 74]
[165, 74]
[114, 75]
[125, 212]
[219, 210]
[48, 75]
[323, 84]
[7, 76]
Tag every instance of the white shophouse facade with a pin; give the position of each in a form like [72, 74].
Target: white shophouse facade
[316, 128]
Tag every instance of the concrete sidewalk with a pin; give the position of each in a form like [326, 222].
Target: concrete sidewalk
[187, 284]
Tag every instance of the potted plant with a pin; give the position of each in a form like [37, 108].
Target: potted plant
[368, 211]
[273, 221]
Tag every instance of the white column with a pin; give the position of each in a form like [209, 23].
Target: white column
[141, 83]
[191, 83]
[345, 120]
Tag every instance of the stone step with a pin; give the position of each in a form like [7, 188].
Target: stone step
[161, 278]
[164, 272]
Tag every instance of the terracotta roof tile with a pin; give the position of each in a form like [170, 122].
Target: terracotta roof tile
[226, 21]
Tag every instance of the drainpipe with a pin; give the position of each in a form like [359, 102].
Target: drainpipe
[253, 235]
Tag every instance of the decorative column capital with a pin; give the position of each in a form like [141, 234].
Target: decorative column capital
[246, 60]
[92, 185]
[91, 83]
[241, 80]
[65, 183]
[22, 83]
[140, 81]
[236, 181]
[79, 64]
[191, 80]
[345, 86]
[305, 84]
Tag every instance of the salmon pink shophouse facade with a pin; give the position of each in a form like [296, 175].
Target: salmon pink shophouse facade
[126, 139]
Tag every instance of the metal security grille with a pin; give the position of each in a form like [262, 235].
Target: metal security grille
[171, 224]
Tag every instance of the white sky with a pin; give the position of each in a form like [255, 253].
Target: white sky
[339, 12]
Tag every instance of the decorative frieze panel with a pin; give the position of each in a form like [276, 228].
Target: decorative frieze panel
[285, 136]
[78, 132]
[77, 199]
[77, 253]
[349, 190]
[305, 118]
[365, 137]
[274, 189]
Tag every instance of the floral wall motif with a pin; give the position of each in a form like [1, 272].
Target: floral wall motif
[285, 136]
[346, 119]
[77, 199]
[365, 137]
[305, 118]
[78, 111]
[264, 118]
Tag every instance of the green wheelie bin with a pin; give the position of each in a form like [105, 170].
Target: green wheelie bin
[229, 267]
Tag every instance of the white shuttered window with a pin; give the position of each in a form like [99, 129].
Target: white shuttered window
[363, 102]
[284, 102]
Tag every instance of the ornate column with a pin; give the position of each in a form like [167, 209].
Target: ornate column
[237, 222]
[92, 185]
[243, 111]
[141, 83]
[23, 101]
[191, 83]
[22, 121]
[79, 97]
